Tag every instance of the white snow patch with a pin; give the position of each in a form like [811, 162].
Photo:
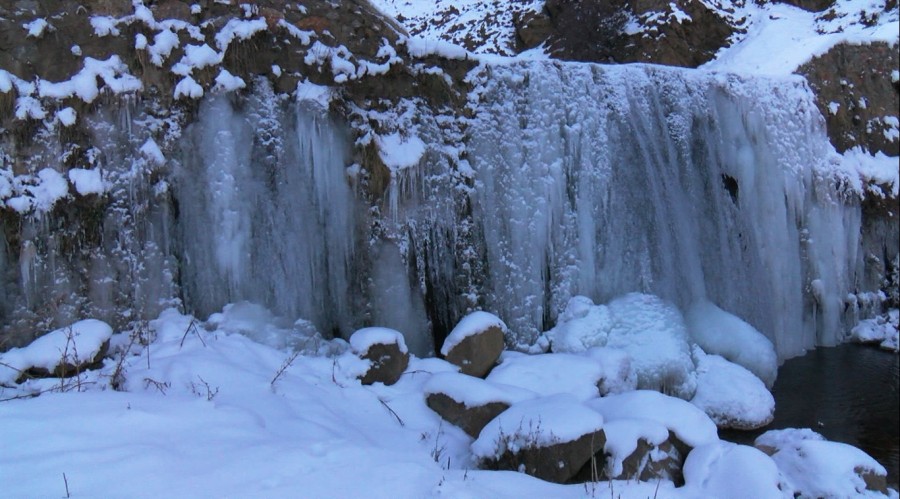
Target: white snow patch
[474, 392]
[153, 153]
[67, 116]
[718, 469]
[189, 88]
[365, 338]
[238, 29]
[622, 437]
[550, 374]
[104, 26]
[884, 330]
[87, 181]
[874, 169]
[619, 375]
[721, 333]
[37, 28]
[227, 82]
[690, 424]
[318, 95]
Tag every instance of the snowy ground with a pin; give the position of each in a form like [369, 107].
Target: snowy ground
[213, 413]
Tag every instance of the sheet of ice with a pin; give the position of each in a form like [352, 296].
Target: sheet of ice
[731, 395]
[365, 338]
[87, 181]
[534, 423]
[691, 425]
[474, 392]
[73, 344]
[819, 468]
[551, 373]
[724, 469]
[472, 324]
[721, 333]
[399, 151]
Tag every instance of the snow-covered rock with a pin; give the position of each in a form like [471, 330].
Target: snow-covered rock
[721, 333]
[690, 425]
[385, 349]
[470, 402]
[639, 449]
[721, 469]
[731, 395]
[815, 467]
[60, 353]
[549, 437]
[551, 373]
[475, 343]
[650, 330]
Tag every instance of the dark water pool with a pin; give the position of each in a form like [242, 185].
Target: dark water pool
[849, 393]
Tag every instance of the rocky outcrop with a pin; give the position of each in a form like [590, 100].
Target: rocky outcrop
[858, 96]
[684, 33]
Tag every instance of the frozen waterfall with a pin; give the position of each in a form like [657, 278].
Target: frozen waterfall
[565, 179]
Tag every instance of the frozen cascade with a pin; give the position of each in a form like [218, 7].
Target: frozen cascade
[266, 212]
[564, 179]
[601, 180]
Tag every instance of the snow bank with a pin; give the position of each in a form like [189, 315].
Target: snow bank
[721, 333]
[649, 330]
[536, 423]
[471, 324]
[75, 344]
[731, 395]
[815, 467]
[550, 374]
[365, 338]
[875, 170]
[618, 372]
[691, 425]
[884, 330]
[724, 469]
[474, 392]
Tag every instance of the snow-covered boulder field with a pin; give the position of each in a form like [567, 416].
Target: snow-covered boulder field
[217, 413]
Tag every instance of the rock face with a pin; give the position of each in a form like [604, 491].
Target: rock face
[683, 33]
[471, 419]
[475, 343]
[856, 95]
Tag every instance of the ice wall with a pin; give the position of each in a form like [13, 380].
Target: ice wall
[604, 180]
[560, 180]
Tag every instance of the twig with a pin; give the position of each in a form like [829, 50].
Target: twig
[191, 327]
[66, 481]
[286, 364]
[392, 412]
[162, 387]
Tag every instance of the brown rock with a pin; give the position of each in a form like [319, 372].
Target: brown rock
[471, 419]
[388, 363]
[858, 79]
[557, 463]
[476, 354]
[66, 369]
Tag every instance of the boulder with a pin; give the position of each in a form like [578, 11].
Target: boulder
[386, 351]
[475, 343]
[61, 353]
[550, 438]
[815, 467]
[551, 373]
[469, 402]
[731, 395]
[639, 449]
